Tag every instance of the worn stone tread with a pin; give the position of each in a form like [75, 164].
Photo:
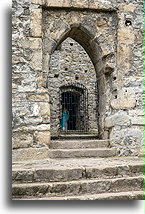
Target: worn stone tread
[72, 153]
[68, 173]
[79, 187]
[78, 144]
[76, 162]
[79, 181]
[134, 195]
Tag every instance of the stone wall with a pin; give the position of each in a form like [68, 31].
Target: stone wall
[31, 117]
[111, 32]
[126, 124]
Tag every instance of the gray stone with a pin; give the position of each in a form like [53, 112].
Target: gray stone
[21, 140]
[126, 99]
[118, 119]
[128, 140]
[36, 22]
[139, 121]
[77, 187]
[76, 144]
[30, 154]
[49, 45]
[79, 153]
[134, 195]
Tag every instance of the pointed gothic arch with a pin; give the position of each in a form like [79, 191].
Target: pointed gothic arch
[86, 39]
[90, 44]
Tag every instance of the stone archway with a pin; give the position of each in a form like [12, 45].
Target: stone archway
[103, 59]
[71, 65]
[113, 47]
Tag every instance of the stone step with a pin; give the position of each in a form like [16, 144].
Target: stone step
[133, 195]
[79, 153]
[74, 188]
[56, 174]
[78, 144]
[76, 136]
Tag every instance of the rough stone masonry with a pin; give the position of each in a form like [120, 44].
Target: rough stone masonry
[107, 37]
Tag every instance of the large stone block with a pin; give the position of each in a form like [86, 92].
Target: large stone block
[92, 4]
[49, 45]
[38, 97]
[31, 128]
[124, 57]
[128, 8]
[36, 22]
[138, 121]
[31, 43]
[126, 36]
[126, 99]
[42, 138]
[26, 88]
[119, 119]
[22, 140]
[45, 110]
[30, 154]
[36, 60]
[34, 45]
[128, 141]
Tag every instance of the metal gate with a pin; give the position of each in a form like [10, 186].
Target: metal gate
[73, 108]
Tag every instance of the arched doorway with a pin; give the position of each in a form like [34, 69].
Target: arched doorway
[72, 79]
[103, 61]
[73, 108]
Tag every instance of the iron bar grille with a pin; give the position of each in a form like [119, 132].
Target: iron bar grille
[73, 105]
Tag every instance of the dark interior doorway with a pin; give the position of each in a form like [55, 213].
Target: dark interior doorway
[70, 104]
[73, 109]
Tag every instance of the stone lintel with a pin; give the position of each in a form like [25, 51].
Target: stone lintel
[105, 5]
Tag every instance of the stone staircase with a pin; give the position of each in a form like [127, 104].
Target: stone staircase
[78, 146]
[78, 168]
